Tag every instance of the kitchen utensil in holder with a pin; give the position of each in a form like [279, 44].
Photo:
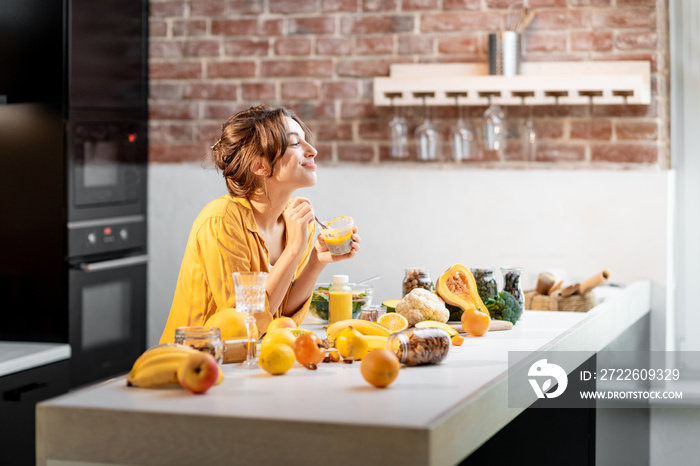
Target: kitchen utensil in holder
[555, 302]
[504, 53]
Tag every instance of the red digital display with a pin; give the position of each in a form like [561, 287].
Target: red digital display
[107, 231]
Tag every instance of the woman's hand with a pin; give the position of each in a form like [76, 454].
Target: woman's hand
[325, 256]
[297, 217]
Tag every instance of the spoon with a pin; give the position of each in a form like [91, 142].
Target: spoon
[319, 222]
[367, 280]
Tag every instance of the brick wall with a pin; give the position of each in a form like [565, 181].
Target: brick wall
[211, 58]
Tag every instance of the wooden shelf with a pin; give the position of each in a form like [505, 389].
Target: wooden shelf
[540, 83]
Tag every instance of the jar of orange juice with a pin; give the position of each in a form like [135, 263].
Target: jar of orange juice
[339, 299]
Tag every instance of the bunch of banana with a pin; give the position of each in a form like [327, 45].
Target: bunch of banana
[365, 327]
[158, 366]
[375, 341]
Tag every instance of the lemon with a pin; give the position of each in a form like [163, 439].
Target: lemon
[277, 359]
[231, 323]
[351, 344]
[278, 336]
[393, 321]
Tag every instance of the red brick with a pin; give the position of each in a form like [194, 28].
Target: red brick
[157, 28]
[309, 110]
[547, 3]
[460, 21]
[495, 4]
[559, 111]
[316, 25]
[293, 46]
[365, 67]
[241, 47]
[550, 152]
[310, 68]
[379, 5]
[333, 131]
[624, 18]
[179, 70]
[626, 110]
[545, 42]
[415, 44]
[173, 111]
[557, 18]
[325, 151]
[333, 46]
[356, 152]
[409, 5]
[246, 7]
[374, 45]
[294, 90]
[464, 43]
[207, 132]
[625, 153]
[549, 129]
[258, 91]
[627, 40]
[340, 90]
[169, 131]
[165, 49]
[222, 111]
[461, 4]
[336, 6]
[177, 152]
[636, 131]
[591, 129]
[649, 3]
[207, 7]
[376, 24]
[161, 91]
[202, 48]
[591, 2]
[358, 110]
[165, 9]
[211, 91]
[292, 6]
[230, 69]
[246, 27]
[189, 27]
[373, 131]
[586, 40]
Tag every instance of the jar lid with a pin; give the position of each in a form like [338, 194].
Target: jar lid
[340, 279]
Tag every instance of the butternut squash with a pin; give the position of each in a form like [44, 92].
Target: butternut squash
[457, 288]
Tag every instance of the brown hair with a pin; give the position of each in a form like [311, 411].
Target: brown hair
[258, 132]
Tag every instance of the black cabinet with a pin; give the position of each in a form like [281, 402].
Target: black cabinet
[19, 394]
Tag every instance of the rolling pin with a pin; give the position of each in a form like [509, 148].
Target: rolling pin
[587, 285]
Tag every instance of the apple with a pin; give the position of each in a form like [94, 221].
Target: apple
[198, 372]
[282, 322]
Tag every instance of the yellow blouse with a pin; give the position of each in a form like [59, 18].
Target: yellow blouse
[224, 239]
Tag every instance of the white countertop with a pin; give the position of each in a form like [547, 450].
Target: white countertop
[16, 356]
[444, 411]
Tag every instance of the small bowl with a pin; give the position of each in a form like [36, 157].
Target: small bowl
[361, 295]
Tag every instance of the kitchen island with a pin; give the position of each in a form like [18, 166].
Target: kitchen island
[430, 415]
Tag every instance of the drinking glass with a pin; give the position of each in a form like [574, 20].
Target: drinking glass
[529, 136]
[250, 298]
[399, 132]
[428, 137]
[494, 128]
[461, 135]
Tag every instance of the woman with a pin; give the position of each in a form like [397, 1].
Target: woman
[264, 155]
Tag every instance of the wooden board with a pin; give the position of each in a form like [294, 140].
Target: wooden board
[496, 325]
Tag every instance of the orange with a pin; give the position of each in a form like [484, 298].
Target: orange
[475, 322]
[393, 321]
[457, 340]
[380, 367]
[231, 323]
[281, 322]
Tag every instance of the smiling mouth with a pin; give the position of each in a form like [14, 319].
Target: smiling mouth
[308, 165]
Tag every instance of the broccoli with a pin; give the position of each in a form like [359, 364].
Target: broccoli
[504, 306]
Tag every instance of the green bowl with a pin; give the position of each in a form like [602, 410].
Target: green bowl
[361, 295]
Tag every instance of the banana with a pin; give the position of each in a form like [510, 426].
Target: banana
[155, 375]
[434, 323]
[375, 341]
[365, 327]
[165, 348]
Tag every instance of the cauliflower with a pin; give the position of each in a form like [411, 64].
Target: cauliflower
[420, 305]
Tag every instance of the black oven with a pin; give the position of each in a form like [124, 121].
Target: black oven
[107, 302]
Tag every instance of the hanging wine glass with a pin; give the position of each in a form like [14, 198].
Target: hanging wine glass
[461, 136]
[399, 131]
[494, 127]
[427, 135]
[529, 136]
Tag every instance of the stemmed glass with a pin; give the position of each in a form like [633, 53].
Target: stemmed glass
[427, 134]
[494, 128]
[529, 135]
[399, 131]
[250, 298]
[461, 135]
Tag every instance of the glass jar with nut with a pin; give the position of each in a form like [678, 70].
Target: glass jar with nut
[206, 339]
[416, 346]
[416, 277]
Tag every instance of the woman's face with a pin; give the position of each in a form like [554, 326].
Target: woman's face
[297, 165]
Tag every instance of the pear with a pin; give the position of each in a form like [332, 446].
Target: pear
[351, 344]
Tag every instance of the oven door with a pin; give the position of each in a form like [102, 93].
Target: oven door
[107, 302]
[106, 168]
